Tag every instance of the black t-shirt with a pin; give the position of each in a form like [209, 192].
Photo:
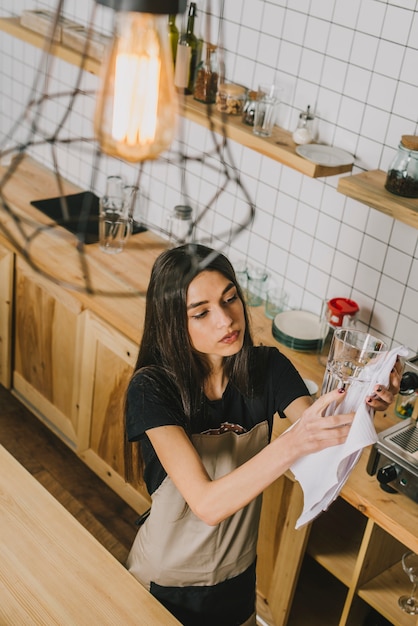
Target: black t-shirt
[148, 409]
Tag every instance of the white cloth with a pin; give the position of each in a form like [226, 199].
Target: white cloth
[323, 474]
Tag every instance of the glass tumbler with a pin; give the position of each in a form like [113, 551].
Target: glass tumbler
[350, 352]
[267, 101]
[256, 285]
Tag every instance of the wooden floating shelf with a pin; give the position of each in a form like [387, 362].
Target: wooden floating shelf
[11, 26]
[279, 146]
[369, 188]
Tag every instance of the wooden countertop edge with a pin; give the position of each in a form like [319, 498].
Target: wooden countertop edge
[49, 557]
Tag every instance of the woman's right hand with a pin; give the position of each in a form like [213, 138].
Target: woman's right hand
[312, 430]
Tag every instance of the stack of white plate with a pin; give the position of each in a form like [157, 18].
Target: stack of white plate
[300, 330]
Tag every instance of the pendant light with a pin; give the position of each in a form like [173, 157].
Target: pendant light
[136, 109]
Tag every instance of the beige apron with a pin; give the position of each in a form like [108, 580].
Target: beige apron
[174, 548]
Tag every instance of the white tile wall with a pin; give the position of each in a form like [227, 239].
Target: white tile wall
[356, 64]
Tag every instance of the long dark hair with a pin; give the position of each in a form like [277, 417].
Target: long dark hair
[166, 354]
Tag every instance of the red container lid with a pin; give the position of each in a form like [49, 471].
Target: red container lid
[338, 308]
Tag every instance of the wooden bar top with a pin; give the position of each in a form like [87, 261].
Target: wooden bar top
[53, 571]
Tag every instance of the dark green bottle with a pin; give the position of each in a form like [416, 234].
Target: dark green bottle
[173, 35]
[189, 39]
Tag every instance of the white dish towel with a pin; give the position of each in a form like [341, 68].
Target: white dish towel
[323, 474]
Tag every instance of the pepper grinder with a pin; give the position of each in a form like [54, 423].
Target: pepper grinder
[304, 132]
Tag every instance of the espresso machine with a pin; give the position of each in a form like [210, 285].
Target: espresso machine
[394, 457]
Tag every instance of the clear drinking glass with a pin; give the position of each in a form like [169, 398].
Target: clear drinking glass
[409, 604]
[276, 301]
[350, 351]
[268, 99]
[114, 224]
[256, 285]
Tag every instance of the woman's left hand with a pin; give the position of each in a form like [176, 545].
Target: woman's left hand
[384, 396]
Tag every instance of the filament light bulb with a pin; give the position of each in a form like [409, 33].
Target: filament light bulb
[136, 109]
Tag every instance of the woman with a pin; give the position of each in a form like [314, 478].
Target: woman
[201, 404]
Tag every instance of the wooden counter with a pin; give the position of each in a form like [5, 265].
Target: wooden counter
[52, 571]
[73, 352]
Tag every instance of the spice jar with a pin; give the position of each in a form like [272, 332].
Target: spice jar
[206, 81]
[304, 132]
[402, 178]
[230, 98]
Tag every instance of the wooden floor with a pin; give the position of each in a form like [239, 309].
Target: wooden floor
[106, 516]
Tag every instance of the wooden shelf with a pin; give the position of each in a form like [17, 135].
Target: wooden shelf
[382, 594]
[319, 597]
[344, 527]
[369, 188]
[11, 26]
[279, 146]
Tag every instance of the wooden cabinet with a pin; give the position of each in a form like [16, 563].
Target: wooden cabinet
[346, 563]
[6, 311]
[279, 550]
[47, 351]
[365, 559]
[335, 571]
[108, 361]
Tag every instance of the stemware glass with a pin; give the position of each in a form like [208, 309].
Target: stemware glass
[409, 604]
[350, 351]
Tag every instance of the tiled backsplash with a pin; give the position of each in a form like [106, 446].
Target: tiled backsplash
[356, 64]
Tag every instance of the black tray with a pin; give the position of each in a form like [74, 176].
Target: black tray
[83, 215]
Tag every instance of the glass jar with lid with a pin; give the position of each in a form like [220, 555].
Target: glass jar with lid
[402, 177]
[336, 313]
[230, 98]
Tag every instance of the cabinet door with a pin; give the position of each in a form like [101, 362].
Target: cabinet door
[47, 349]
[6, 300]
[108, 361]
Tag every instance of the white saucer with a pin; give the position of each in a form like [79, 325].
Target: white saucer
[325, 155]
[300, 325]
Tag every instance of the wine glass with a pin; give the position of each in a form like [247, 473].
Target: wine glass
[409, 604]
[350, 351]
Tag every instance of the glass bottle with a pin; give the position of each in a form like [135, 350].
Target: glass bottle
[402, 177]
[206, 82]
[187, 54]
[180, 225]
[173, 35]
